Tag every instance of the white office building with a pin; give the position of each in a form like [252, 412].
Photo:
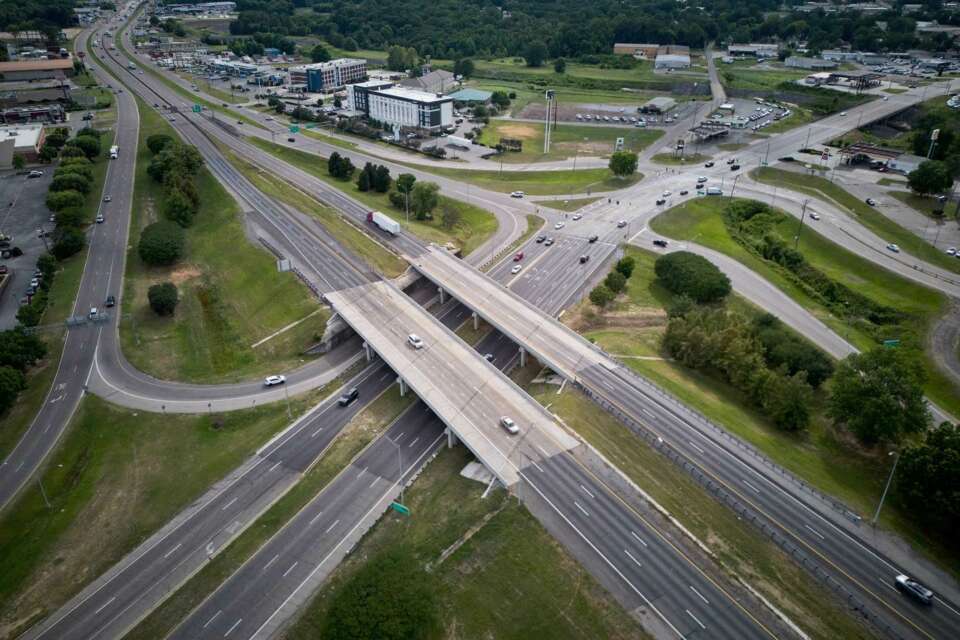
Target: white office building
[408, 108]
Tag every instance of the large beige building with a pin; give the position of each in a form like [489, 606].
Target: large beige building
[36, 69]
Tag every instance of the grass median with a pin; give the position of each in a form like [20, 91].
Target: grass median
[109, 488]
[494, 571]
[472, 229]
[231, 294]
[865, 214]
[539, 183]
[567, 205]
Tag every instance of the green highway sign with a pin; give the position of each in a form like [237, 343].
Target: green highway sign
[891, 343]
[294, 128]
[197, 108]
[399, 508]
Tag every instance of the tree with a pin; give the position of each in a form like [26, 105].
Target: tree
[12, 382]
[932, 176]
[405, 182]
[559, 65]
[161, 243]
[363, 180]
[381, 179]
[90, 145]
[71, 150]
[625, 266]
[450, 217]
[158, 142]
[69, 241]
[56, 139]
[84, 170]
[928, 478]
[339, 166]
[601, 296]
[623, 163]
[878, 395]
[319, 53]
[163, 298]
[18, 162]
[70, 182]
[390, 597]
[687, 273]
[480, 111]
[501, 99]
[424, 198]
[789, 403]
[463, 67]
[62, 199]
[177, 207]
[19, 349]
[535, 54]
[615, 281]
[69, 217]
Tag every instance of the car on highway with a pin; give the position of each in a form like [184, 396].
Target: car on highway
[914, 589]
[701, 179]
[708, 164]
[732, 161]
[684, 192]
[814, 215]
[734, 167]
[584, 259]
[577, 216]
[559, 225]
[893, 247]
[549, 242]
[660, 201]
[111, 301]
[843, 113]
[509, 425]
[108, 198]
[518, 256]
[541, 239]
[516, 269]
[272, 381]
[593, 238]
[517, 194]
[885, 98]
[660, 243]
[291, 139]
[93, 312]
[621, 224]
[787, 159]
[871, 202]
[667, 193]
[952, 251]
[100, 218]
[415, 341]
[347, 398]
[36, 173]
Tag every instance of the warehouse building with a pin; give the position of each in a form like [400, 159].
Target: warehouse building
[410, 109]
[36, 69]
[659, 105]
[753, 50]
[811, 64]
[672, 61]
[324, 77]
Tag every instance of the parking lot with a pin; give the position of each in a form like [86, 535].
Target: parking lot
[22, 213]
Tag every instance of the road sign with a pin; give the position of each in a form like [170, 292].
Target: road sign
[890, 344]
[399, 508]
[197, 108]
[294, 128]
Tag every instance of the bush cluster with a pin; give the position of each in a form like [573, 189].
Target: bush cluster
[176, 166]
[689, 274]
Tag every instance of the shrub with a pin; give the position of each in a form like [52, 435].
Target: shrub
[158, 142]
[615, 281]
[687, 273]
[70, 182]
[161, 243]
[601, 295]
[12, 382]
[69, 242]
[59, 200]
[626, 266]
[163, 298]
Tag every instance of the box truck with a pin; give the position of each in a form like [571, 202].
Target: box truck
[383, 221]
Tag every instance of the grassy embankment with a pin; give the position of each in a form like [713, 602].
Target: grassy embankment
[864, 213]
[823, 456]
[231, 295]
[568, 205]
[494, 569]
[474, 227]
[109, 487]
[925, 205]
[539, 183]
[568, 140]
[689, 158]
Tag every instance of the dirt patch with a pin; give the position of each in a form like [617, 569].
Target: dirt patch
[587, 319]
[181, 275]
[522, 131]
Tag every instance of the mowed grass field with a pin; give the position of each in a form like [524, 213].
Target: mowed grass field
[568, 140]
[231, 294]
[541, 183]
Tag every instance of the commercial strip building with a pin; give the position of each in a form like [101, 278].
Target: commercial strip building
[812, 64]
[753, 50]
[36, 69]
[48, 113]
[323, 77]
[22, 140]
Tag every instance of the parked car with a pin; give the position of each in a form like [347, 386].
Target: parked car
[660, 201]
[108, 198]
[559, 225]
[621, 224]
[684, 192]
[734, 167]
[100, 218]
[516, 269]
[584, 259]
[593, 238]
[271, 381]
[952, 251]
[708, 164]
[35, 173]
[577, 216]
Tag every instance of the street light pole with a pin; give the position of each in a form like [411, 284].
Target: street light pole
[887, 487]
[400, 465]
[803, 213]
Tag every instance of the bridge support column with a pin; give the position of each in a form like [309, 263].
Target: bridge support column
[523, 357]
[476, 321]
[403, 386]
[452, 440]
[443, 295]
[367, 351]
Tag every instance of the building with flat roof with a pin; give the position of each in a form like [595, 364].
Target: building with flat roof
[410, 109]
[324, 77]
[22, 140]
[358, 92]
[438, 81]
[753, 50]
[659, 104]
[812, 64]
[36, 69]
[472, 95]
[672, 61]
[34, 113]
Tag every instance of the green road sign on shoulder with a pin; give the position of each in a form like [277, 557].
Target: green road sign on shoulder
[294, 128]
[197, 108]
[312, 125]
[399, 508]
[891, 343]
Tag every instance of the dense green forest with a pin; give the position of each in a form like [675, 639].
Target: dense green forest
[44, 15]
[572, 28]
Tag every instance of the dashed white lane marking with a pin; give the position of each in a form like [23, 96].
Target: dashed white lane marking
[335, 523]
[639, 539]
[229, 504]
[587, 491]
[214, 617]
[274, 466]
[105, 605]
[172, 551]
[577, 504]
[270, 562]
[696, 447]
[285, 573]
[635, 561]
[699, 595]
[414, 441]
[814, 532]
[751, 486]
[314, 518]
[314, 434]
[239, 620]
[695, 618]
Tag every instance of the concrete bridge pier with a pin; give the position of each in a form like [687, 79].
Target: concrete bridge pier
[476, 321]
[403, 386]
[367, 351]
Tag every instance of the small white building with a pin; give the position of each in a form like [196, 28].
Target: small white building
[22, 140]
[672, 61]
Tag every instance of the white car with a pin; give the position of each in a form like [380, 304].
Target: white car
[893, 247]
[701, 179]
[667, 193]
[559, 225]
[271, 381]
[415, 341]
[515, 270]
[577, 216]
[814, 215]
[107, 198]
[509, 425]
[952, 251]
[100, 218]
[843, 113]
[516, 194]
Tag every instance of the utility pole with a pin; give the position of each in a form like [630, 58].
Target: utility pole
[548, 123]
[886, 487]
[734, 187]
[399, 467]
[803, 213]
